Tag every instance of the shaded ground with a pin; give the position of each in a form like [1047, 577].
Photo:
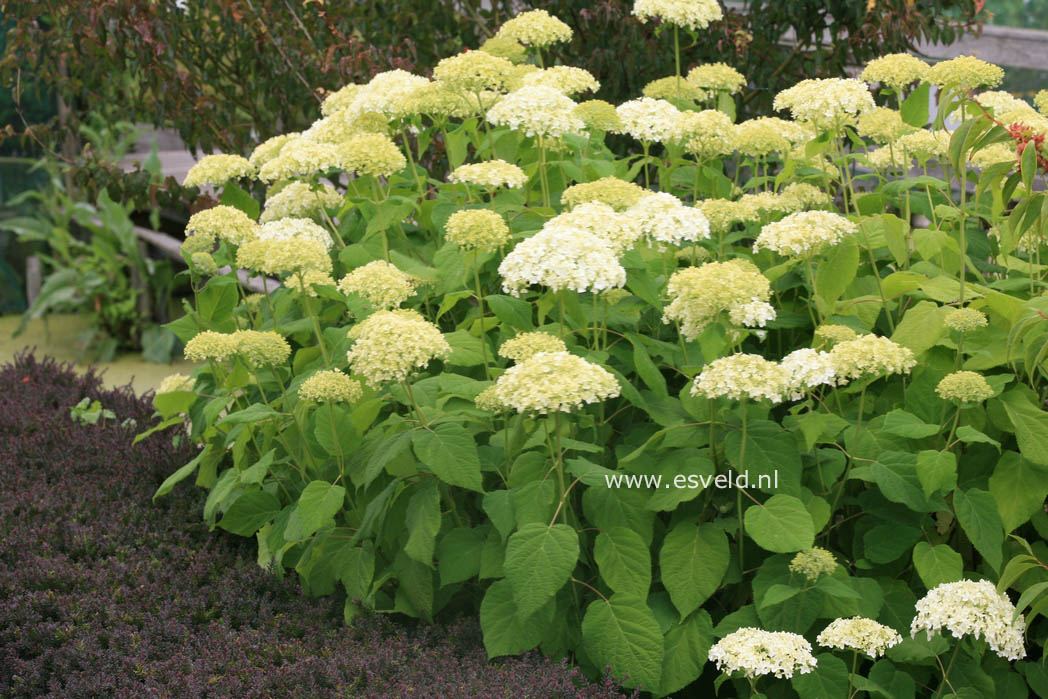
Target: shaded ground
[106, 594]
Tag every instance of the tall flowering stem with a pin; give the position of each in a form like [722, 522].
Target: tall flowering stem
[480, 305]
[738, 490]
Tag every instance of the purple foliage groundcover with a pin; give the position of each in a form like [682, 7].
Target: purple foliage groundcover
[104, 593]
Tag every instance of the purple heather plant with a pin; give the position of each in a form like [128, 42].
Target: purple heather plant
[104, 593]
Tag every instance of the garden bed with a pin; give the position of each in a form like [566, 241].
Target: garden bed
[103, 593]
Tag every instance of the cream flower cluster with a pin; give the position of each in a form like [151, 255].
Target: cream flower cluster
[813, 563]
[835, 333]
[548, 382]
[390, 93]
[692, 14]
[330, 386]
[665, 219]
[883, 125]
[300, 228]
[755, 652]
[619, 230]
[503, 47]
[303, 281]
[895, 70]
[718, 77]
[616, 193]
[391, 345]
[808, 369]
[826, 102]
[527, 345]
[300, 200]
[764, 136]
[203, 263]
[371, 154]
[537, 110]
[339, 99]
[300, 157]
[965, 320]
[699, 294]
[970, 607]
[290, 256]
[176, 383]
[474, 71]
[218, 169]
[964, 387]
[270, 148]
[223, 222]
[870, 355]
[254, 347]
[559, 259]
[804, 233]
[672, 87]
[380, 283]
[1040, 100]
[861, 634]
[567, 79]
[741, 376]
[964, 73]
[599, 115]
[477, 229]
[648, 119]
[709, 133]
[491, 173]
[536, 28]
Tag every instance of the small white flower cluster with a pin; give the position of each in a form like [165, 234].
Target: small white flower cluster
[826, 102]
[740, 376]
[549, 382]
[562, 259]
[648, 119]
[490, 173]
[619, 230]
[664, 219]
[970, 607]
[756, 652]
[808, 369]
[288, 228]
[537, 110]
[804, 233]
[699, 294]
[861, 634]
[692, 14]
[299, 199]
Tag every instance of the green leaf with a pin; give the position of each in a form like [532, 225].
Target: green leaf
[466, 348]
[180, 475]
[506, 631]
[936, 470]
[977, 513]
[215, 303]
[693, 561]
[387, 450]
[1019, 488]
[249, 512]
[173, 402]
[458, 555]
[423, 522]
[450, 452]
[622, 633]
[904, 424]
[769, 449]
[781, 525]
[539, 560]
[1031, 426]
[816, 428]
[777, 594]
[335, 431]
[512, 311]
[937, 564]
[258, 471]
[498, 505]
[646, 368]
[921, 327]
[969, 435]
[256, 412]
[828, 679]
[914, 108]
[318, 504]
[624, 561]
[686, 646]
[234, 196]
[835, 272]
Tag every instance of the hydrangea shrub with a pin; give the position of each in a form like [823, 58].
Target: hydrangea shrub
[556, 357]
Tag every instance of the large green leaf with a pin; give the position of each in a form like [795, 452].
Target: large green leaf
[937, 564]
[423, 522]
[936, 470]
[450, 452]
[249, 512]
[458, 554]
[693, 561]
[835, 272]
[1019, 486]
[921, 327]
[624, 561]
[622, 633]
[781, 525]
[687, 644]
[1031, 425]
[539, 560]
[828, 679]
[335, 431]
[770, 452]
[977, 513]
[318, 504]
[507, 632]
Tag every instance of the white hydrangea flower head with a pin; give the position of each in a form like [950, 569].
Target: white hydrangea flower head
[559, 259]
[808, 369]
[870, 355]
[526, 345]
[756, 652]
[380, 283]
[666, 220]
[741, 376]
[490, 173]
[691, 14]
[964, 73]
[813, 563]
[567, 79]
[861, 634]
[716, 76]
[269, 149]
[548, 382]
[895, 70]
[175, 383]
[619, 230]
[826, 102]
[339, 99]
[805, 233]
[218, 169]
[223, 222]
[390, 93]
[300, 157]
[537, 110]
[392, 345]
[972, 607]
[650, 120]
[536, 28]
[288, 228]
[474, 71]
[300, 200]
[616, 193]
[699, 294]
[709, 133]
[330, 386]
[965, 387]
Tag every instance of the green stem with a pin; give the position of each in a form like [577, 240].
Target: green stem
[676, 56]
[414, 403]
[480, 305]
[855, 661]
[738, 491]
[814, 291]
[946, 672]
[542, 174]
[338, 445]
